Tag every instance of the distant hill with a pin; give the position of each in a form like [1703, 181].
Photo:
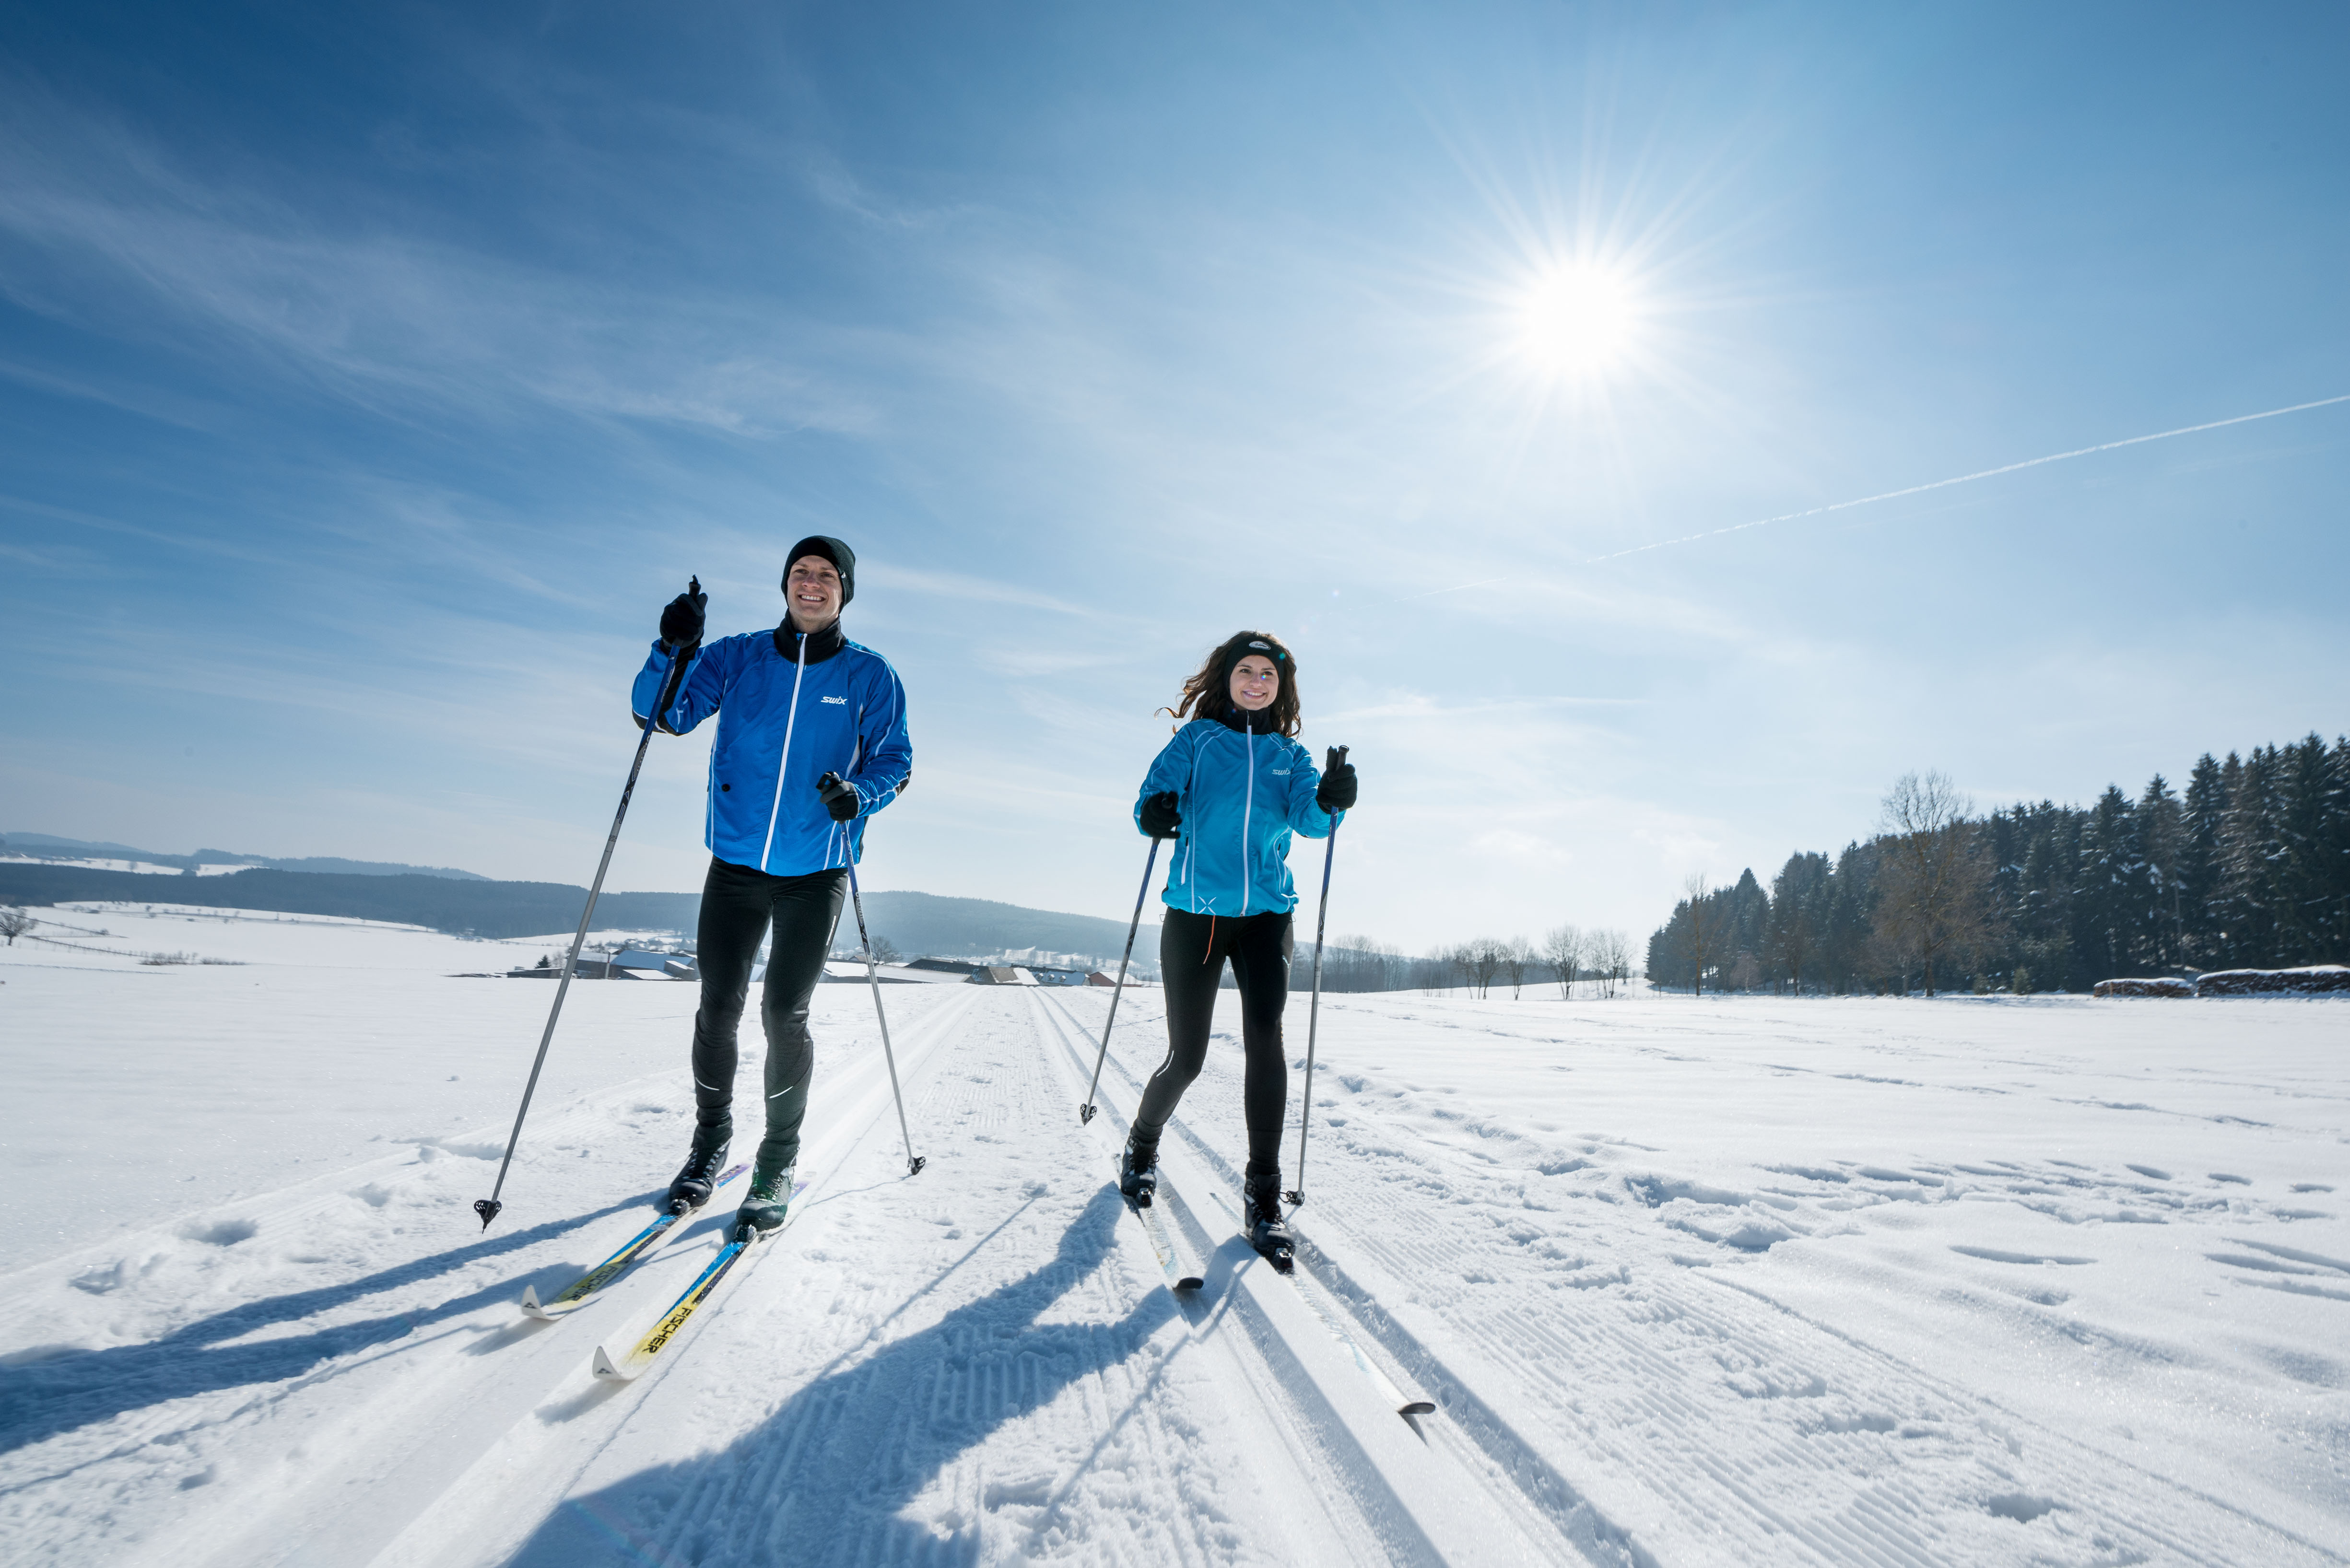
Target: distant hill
[50, 845]
[484, 908]
[916, 923]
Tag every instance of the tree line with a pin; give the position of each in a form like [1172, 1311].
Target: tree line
[1599, 960]
[2248, 867]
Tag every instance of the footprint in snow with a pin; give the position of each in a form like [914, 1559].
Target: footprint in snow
[2020, 1507]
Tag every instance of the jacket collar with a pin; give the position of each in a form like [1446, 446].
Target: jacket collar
[821, 645]
[1241, 720]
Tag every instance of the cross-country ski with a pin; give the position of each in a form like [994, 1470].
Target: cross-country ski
[639, 1249]
[637, 1357]
[1182, 1274]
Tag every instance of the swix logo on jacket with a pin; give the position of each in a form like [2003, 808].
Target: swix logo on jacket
[1243, 797]
[790, 710]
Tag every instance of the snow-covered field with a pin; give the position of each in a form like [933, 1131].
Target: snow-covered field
[1722, 1282]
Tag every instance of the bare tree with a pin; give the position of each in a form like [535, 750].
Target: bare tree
[1514, 956]
[1484, 956]
[1935, 877]
[1357, 963]
[1563, 949]
[14, 923]
[1610, 959]
[1436, 970]
[885, 950]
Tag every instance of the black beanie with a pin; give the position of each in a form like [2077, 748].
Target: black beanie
[1257, 642]
[843, 559]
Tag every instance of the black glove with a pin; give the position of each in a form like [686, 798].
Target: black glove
[681, 618]
[840, 797]
[1336, 790]
[1160, 817]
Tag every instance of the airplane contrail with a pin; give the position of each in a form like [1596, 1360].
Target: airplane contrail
[1969, 478]
[1912, 490]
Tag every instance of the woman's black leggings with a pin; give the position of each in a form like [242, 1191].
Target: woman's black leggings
[1192, 954]
[738, 905]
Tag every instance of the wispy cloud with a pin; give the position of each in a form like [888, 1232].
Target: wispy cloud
[387, 320]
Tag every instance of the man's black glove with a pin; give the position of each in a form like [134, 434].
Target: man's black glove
[1160, 817]
[1336, 790]
[840, 797]
[681, 618]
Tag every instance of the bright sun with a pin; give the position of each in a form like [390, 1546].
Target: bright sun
[1578, 321]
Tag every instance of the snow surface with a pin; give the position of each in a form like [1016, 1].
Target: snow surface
[144, 868]
[1730, 1281]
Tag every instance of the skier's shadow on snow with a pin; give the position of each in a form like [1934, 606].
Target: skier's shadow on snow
[56, 1394]
[822, 1480]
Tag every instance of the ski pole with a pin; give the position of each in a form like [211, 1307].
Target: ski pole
[487, 1208]
[1296, 1195]
[914, 1162]
[1085, 1111]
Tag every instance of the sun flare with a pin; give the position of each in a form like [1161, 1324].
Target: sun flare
[1578, 321]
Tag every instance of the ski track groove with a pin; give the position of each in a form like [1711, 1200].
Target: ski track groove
[1564, 1531]
[1329, 1474]
[997, 1087]
[1541, 1502]
[1632, 1370]
[1601, 1375]
[399, 1420]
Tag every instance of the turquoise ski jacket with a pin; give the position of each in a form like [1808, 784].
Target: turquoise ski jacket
[1243, 797]
[790, 710]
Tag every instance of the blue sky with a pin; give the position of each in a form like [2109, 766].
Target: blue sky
[369, 377]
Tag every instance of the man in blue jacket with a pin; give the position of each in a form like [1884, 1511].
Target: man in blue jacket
[811, 740]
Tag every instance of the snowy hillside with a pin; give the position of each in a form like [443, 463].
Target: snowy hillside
[1723, 1282]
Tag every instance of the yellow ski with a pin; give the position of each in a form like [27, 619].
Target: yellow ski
[641, 1355]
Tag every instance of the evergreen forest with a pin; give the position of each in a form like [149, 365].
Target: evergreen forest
[2248, 867]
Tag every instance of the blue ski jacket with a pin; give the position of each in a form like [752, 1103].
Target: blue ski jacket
[1243, 797]
[790, 710]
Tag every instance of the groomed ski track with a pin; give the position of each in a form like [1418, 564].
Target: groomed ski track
[982, 1364]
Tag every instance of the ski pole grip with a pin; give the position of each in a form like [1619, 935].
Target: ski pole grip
[678, 659]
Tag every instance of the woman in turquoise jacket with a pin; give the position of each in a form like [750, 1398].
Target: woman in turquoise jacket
[1232, 789]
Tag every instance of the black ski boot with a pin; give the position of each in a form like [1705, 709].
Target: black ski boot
[698, 1177]
[1138, 1172]
[764, 1205]
[1268, 1232]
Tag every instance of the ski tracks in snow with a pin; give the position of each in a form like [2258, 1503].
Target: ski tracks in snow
[1607, 1359]
[978, 1365]
[982, 1363]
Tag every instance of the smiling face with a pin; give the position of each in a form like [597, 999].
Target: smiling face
[812, 588]
[1256, 682]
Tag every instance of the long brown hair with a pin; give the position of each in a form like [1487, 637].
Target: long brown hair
[1209, 693]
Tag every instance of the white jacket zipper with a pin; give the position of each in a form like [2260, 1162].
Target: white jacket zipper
[1248, 803]
[790, 719]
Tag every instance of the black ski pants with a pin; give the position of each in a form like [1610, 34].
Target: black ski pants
[1192, 954]
[738, 906]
